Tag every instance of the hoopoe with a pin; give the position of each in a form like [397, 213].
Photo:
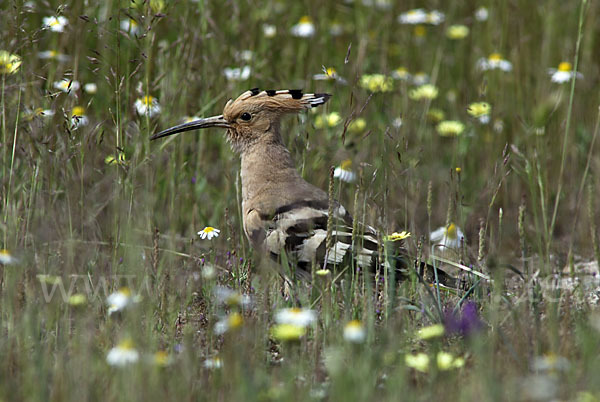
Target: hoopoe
[283, 213]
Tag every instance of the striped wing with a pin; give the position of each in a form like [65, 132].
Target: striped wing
[300, 230]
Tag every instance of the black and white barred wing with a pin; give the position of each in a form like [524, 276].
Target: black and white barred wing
[300, 229]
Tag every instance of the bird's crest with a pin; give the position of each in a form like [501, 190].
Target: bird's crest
[283, 101]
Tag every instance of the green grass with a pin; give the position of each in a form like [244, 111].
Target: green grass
[98, 226]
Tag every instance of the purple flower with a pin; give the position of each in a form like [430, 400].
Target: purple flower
[465, 322]
[193, 179]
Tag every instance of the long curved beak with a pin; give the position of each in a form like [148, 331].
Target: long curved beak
[215, 121]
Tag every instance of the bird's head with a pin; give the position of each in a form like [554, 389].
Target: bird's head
[253, 115]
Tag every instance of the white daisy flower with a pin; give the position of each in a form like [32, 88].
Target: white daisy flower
[563, 73]
[230, 297]
[328, 74]
[397, 122]
[120, 300]
[413, 17]
[447, 236]
[90, 88]
[420, 78]
[130, 26]
[232, 321]
[6, 258]
[237, 73]
[494, 62]
[295, 316]
[379, 4]
[147, 105]
[244, 55]
[344, 172]
[354, 332]
[123, 354]
[269, 30]
[55, 24]
[304, 28]
[67, 85]
[214, 363]
[482, 14]
[78, 117]
[53, 55]
[401, 73]
[208, 233]
[435, 17]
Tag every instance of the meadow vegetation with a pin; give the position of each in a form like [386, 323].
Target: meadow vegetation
[465, 116]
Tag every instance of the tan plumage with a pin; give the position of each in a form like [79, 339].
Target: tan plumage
[281, 211]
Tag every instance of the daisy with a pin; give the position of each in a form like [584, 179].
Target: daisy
[379, 4]
[398, 236]
[482, 14]
[295, 316]
[377, 82]
[328, 120]
[397, 122]
[55, 24]
[427, 91]
[161, 359]
[413, 17]
[214, 363]
[237, 73]
[244, 55]
[123, 354]
[67, 85]
[401, 74]
[230, 297]
[494, 62]
[563, 73]
[91, 88]
[304, 28]
[269, 30]
[6, 258]
[78, 117]
[121, 299]
[53, 55]
[208, 233]
[147, 105]
[448, 236]
[457, 32]
[344, 172]
[232, 321]
[435, 17]
[450, 128]
[420, 78]
[130, 26]
[329, 73]
[9, 63]
[354, 332]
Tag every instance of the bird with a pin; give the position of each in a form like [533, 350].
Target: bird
[283, 214]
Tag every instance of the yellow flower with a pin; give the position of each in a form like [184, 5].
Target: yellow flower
[161, 359]
[420, 31]
[419, 362]
[457, 32]
[9, 63]
[427, 91]
[435, 115]
[430, 332]
[119, 159]
[398, 236]
[478, 109]
[231, 322]
[458, 170]
[446, 361]
[377, 82]
[357, 126]
[329, 120]
[78, 299]
[287, 332]
[323, 272]
[450, 128]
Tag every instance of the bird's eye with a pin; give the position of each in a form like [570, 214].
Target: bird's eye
[246, 116]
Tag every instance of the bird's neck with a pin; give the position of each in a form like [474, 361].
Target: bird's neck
[266, 166]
